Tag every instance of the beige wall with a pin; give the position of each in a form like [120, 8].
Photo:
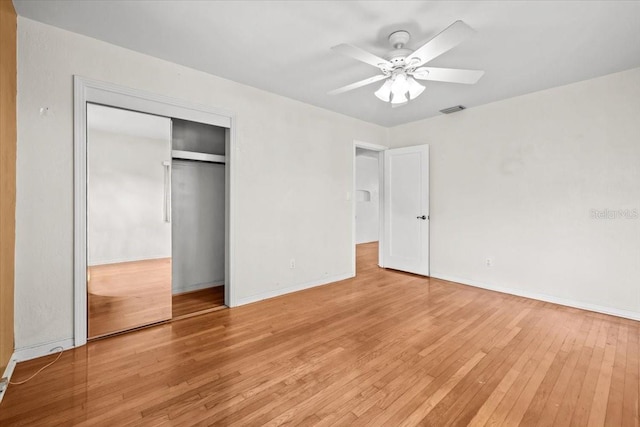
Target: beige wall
[520, 181]
[293, 173]
[7, 176]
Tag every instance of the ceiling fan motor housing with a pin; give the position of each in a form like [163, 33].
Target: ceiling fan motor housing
[398, 40]
[397, 57]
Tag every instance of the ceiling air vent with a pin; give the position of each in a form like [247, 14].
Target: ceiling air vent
[452, 109]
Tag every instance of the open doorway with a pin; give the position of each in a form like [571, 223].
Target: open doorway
[403, 207]
[367, 200]
[367, 196]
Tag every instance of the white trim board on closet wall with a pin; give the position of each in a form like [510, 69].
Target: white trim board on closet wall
[87, 90]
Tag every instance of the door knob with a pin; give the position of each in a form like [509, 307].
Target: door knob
[422, 217]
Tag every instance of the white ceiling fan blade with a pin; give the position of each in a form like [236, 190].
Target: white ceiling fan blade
[361, 55]
[450, 75]
[447, 39]
[358, 84]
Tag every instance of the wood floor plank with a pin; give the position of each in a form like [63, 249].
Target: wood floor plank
[383, 349]
[462, 403]
[364, 372]
[631, 402]
[603, 391]
[583, 407]
[578, 377]
[531, 388]
[425, 407]
[539, 400]
[194, 302]
[555, 400]
[514, 369]
[461, 391]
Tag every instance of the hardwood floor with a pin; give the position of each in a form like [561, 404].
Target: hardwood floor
[197, 302]
[383, 349]
[128, 295]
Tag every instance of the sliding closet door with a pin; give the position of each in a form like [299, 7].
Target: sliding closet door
[128, 219]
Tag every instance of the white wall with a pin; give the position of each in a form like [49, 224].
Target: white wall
[367, 211]
[518, 181]
[293, 174]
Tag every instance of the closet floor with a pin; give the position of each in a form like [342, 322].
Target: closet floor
[196, 302]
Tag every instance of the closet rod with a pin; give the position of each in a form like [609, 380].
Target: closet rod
[202, 157]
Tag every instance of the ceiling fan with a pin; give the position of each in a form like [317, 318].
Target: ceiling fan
[403, 66]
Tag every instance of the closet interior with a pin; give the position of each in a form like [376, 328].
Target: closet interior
[156, 192]
[198, 223]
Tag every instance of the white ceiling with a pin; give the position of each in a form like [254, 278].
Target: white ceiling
[284, 46]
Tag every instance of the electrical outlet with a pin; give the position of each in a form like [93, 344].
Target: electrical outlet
[292, 263]
[489, 262]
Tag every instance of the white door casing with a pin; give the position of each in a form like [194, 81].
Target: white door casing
[406, 209]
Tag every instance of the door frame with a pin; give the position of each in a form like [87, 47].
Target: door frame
[88, 90]
[380, 149]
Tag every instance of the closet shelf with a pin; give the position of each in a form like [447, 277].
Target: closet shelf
[193, 155]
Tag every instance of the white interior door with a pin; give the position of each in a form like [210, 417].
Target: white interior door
[406, 209]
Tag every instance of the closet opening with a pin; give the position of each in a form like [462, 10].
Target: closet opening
[153, 209]
[198, 217]
[156, 219]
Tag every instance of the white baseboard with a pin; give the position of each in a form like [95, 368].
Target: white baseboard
[294, 288]
[33, 352]
[196, 287]
[627, 314]
[7, 374]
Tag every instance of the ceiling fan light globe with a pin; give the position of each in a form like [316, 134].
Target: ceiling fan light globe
[415, 88]
[399, 98]
[400, 85]
[384, 93]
